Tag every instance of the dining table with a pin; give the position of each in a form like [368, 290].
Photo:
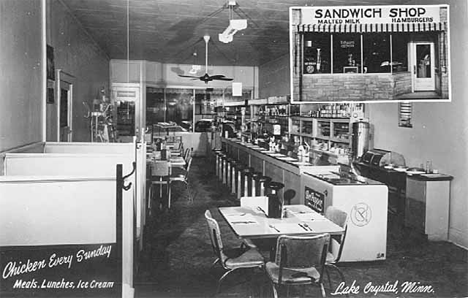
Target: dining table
[173, 161]
[253, 223]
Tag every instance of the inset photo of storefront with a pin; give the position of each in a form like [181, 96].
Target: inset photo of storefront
[370, 53]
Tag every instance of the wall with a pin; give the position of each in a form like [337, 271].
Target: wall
[274, 78]
[77, 54]
[21, 75]
[353, 87]
[440, 130]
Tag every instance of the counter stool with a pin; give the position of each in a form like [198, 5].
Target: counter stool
[239, 169]
[222, 167]
[224, 158]
[245, 176]
[254, 177]
[249, 183]
[217, 153]
[274, 187]
[233, 176]
[288, 195]
[227, 175]
[260, 183]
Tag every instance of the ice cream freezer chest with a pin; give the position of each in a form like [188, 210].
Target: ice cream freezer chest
[366, 204]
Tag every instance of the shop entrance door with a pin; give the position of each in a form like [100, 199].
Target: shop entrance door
[423, 66]
[65, 131]
[64, 118]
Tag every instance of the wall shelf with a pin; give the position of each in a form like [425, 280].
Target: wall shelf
[329, 133]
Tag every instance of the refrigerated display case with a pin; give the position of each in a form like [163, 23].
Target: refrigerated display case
[125, 118]
[365, 202]
[129, 111]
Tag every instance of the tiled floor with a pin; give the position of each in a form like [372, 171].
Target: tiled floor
[177, 255]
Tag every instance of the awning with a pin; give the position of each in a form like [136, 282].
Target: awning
[365, 28]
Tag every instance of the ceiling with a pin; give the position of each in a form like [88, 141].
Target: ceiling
[171, 31]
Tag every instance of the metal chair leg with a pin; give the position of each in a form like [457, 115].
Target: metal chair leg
[215, 262]
[169, 193]
[322, 289]
[150, 199]
[222, 278]
[275, 292]
[189, 190]
[338, 270]
[328, 276]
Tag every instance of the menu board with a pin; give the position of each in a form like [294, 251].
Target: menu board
[86, 270]
[314, 199]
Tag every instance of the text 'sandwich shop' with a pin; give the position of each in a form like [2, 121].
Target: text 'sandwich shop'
[369, 53]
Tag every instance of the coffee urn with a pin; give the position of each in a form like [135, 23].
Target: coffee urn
[360, 138]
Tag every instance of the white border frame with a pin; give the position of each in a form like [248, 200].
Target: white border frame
[448, 65]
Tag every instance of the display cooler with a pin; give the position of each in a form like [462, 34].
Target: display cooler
[363, 199]
[129, 111]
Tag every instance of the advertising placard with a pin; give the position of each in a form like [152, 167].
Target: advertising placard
[314, 199]
[85, 270]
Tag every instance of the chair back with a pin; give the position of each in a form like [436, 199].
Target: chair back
[340, 218]
[179, 147]
[159, 168]
[215, 236]
[189, 163]
[302, 252]
[187, 154]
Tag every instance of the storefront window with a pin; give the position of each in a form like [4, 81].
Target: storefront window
[378, 55]
[317, 53]
[205, 100]
[346, 53]
[155, 106]
[400, 52]
[376, 48]
[179, 103]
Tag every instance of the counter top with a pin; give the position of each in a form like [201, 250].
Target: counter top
[287, 162]
[416, 176]
[337, 180]
[431, 177]
[388, 170]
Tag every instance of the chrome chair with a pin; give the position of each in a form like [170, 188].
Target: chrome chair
[299, 260]
[340, 218]
[159, 176]
[230, 259]
[188, 153]
[178, 149]
[181, 176]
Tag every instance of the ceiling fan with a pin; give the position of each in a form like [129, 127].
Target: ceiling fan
[206, 77]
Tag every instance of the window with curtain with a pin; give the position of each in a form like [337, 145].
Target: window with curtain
[177, 104]
[317, 53]
[400, 51]
[376, 50]
[342, 52]
[346, 53]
